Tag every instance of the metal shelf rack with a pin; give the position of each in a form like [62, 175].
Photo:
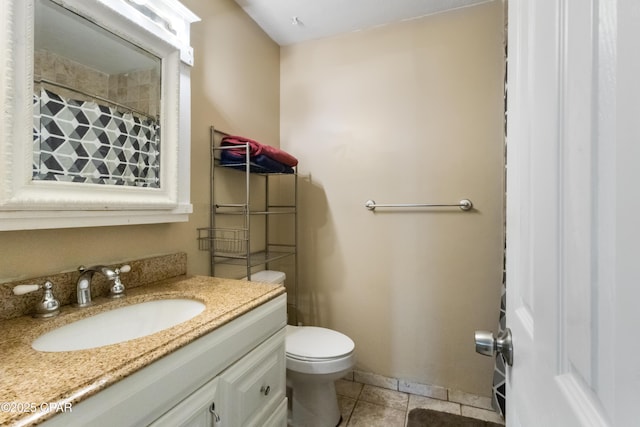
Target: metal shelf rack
[233, 245]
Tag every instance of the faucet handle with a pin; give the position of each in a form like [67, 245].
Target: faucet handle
[25, 289]
[117, 290]
[124, 269]
[49, 306]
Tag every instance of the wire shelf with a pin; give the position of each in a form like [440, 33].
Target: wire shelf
[255, 258]
[223, 241]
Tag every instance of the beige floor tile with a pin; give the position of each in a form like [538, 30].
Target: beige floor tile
[435, 404]
[348, 388]
[346, 405]
[482, 414]
[384, 397]
[370, 415]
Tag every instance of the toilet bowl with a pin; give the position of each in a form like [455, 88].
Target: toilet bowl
[315, 358]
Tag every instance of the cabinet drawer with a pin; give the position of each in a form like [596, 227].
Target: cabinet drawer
[254, 387]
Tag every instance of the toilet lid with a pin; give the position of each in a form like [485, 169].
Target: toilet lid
[313, 343]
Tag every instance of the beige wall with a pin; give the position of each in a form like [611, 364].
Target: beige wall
[411, 112]
[235, 84]
[236, 87]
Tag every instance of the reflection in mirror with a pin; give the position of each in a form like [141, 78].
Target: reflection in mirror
[96, 104]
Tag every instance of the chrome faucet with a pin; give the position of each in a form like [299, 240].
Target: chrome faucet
[83, 287]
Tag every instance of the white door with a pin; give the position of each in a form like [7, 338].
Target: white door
[573, 213]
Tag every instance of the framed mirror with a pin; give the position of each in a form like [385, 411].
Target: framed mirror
[93, 126]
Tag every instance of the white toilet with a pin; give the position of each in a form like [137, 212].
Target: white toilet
[316, 358]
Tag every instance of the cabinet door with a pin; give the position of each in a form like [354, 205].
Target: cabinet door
[279, 416]
[197, 410]
[253, 389]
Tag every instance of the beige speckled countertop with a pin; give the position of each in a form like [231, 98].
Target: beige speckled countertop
[30, 377]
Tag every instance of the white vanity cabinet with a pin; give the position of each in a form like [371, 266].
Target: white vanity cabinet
[254, 388]
[236, 371]
[251, 392]
[197, 410]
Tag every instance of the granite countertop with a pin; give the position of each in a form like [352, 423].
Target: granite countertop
[31, 378]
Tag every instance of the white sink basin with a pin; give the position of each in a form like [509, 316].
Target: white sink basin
[118, 325]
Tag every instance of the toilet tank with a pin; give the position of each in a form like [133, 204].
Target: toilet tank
[268, 276]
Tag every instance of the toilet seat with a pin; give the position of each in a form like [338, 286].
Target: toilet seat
[314, 350]
[311, 343]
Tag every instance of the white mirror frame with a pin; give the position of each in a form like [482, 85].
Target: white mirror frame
[29, 204]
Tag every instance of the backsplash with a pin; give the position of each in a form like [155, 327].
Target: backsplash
[143, 271]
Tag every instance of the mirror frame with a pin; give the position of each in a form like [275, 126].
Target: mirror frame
[26, 203]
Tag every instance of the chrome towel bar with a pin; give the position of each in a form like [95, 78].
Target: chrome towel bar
[464, 204]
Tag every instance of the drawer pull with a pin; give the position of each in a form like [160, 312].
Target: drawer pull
[212, 409]
[265, 390]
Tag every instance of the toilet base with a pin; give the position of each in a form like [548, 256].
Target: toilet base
[313, 404]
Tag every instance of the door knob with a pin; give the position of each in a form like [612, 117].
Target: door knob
[489, 346]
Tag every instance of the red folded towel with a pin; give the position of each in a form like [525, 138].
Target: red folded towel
[256, 148]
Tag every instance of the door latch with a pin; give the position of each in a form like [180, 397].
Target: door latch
[487, 345]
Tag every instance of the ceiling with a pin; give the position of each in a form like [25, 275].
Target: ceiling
[294, 21]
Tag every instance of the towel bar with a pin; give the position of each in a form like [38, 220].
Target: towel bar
[464, 204]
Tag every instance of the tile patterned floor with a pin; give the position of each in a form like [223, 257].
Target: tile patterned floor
[365, 405]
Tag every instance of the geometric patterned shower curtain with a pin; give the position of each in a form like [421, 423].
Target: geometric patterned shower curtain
[82, 141]
[499, 401]
[499, 392]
